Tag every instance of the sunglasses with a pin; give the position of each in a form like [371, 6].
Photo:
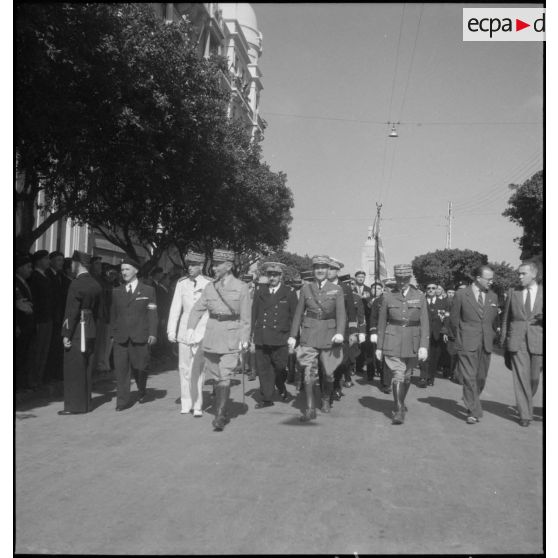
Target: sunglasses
[430, 288]
[273, 274]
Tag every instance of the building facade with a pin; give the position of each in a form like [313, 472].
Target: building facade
[224, 29]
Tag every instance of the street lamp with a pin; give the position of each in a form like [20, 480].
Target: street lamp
[393, 133]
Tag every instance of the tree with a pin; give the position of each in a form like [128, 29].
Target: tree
[505, 277]
[525, 207]
[447, 266]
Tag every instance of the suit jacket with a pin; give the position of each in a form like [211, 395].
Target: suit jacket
[473, 326]
[60, 284]
[44, 297]
[365, 300]
[398, 340]
[84, 293]
[186, 294]
[272, 315]
[223, 337]
[315, 332]
[133, 316]
[25, 322]
[518, 325]
[360, 313]
[437, 317]
[351, 325]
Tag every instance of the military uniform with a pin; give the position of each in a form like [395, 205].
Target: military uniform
[320, 315]
[272, 315]
[83, 309]
[403, 328]
[228, 303]
[375, 365]
[190, 356]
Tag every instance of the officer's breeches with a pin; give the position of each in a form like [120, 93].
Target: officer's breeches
[330, 359]
[401, 367]
[190, 370]
[221, 366]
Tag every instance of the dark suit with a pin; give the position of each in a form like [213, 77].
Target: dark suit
[522, 336]
[44, 298]
[55, 361]
[365, 355]
[272, 316]
[474, 327]
[377, 366]
[351, 326]
[83, 301]
[133, 321]
[25, 325]
[436, 316]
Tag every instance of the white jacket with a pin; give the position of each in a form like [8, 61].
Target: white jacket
[185, 296]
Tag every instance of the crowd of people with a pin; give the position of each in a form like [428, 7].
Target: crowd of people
[78, 315]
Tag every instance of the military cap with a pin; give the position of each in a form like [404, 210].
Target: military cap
[274, 266]
[390, 282]
[377, 284]
[344, 278]
[223, 256]
[130, 261]
[22, 259]
[321, 260]
[39, 255]
[307, 275]
[360, 272]
[403, 270]
[194, 257]
[263, 280]
[247, 278]
[335, 264]
[81, 257]
[55, 254]
[295, 283]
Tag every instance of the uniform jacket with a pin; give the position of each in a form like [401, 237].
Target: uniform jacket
[360, 313]
[60, 284]
[133, 316]
[186, 294]
[471, 325]
[223, 337]
[272, 315]
[365, 300]
[318, 333]
[44, 297]
[84, 294]
[374, 306]
[25, 322]
[398, 340]
[351, 325]
[517, 325]
[437, 316]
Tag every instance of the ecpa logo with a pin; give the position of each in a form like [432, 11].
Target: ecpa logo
[503, 24]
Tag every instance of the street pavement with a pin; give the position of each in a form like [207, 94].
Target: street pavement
[152, 481]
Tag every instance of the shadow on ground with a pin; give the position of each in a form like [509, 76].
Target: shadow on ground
[449, 406]
[384, 406]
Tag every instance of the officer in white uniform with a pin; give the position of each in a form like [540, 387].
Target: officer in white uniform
[190, 356]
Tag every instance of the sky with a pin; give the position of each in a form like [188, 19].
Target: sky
[470, 118]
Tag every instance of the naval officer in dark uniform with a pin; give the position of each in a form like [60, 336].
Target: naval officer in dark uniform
[83, 305]
[403, 333]
[133, 326]
[273, 311]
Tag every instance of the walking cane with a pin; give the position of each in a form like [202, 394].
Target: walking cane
[82, 329]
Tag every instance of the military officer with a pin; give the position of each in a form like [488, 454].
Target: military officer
[321, 312]
[133, 326]
[403, 333]
[190, 356]
[228, 329]
[273, 310]
[376, 366]
[351, 329]
[83, 309]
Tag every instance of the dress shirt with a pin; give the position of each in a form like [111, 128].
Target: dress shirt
[476, 292]
[132, 286]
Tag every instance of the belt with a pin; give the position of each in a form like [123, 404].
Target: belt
[225, 317]
[403, 323]
[87, 311]
[318, 315]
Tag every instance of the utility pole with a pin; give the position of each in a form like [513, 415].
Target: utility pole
[450, 219]
[376, 235]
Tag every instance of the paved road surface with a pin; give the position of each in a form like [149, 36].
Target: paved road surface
[152, 481]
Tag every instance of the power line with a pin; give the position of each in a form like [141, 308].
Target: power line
[412, 61]
[396, 60]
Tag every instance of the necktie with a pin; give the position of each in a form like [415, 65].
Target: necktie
[481, 302]
[528, 302]
[195, 282]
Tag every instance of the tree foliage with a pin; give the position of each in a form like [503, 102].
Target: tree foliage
[447, 266]
[505, 277]
[294, 262]
[124, 127]
[525, 208]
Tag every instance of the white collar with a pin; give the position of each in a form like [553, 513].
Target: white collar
[133, 284]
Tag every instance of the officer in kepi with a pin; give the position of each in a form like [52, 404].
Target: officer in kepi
[83, 306]
[321, 312]
[403, 334]
[228, 328]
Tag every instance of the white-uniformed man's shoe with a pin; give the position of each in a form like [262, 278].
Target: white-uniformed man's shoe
[183, 412]
[198, 413]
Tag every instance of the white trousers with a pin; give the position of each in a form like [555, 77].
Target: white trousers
[190, 370]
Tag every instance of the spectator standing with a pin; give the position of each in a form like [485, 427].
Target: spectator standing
[25, 321]
[164, 299]
[366, 354]
[43, 292]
